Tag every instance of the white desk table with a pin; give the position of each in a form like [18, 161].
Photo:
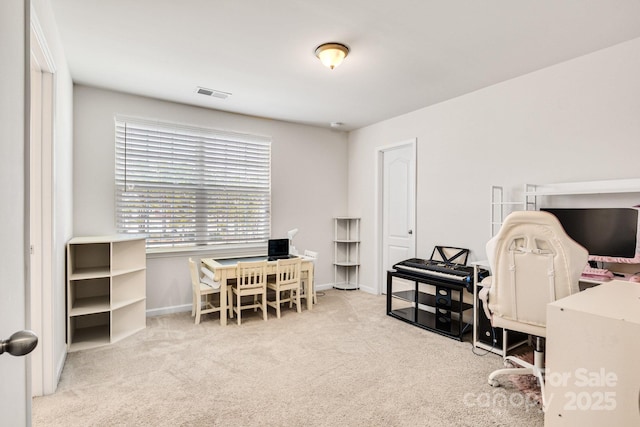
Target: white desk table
[225, 269]
[592, 376]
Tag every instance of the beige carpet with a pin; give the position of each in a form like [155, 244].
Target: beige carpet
[344, 363]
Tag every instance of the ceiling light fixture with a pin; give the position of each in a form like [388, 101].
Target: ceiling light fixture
[332, 54]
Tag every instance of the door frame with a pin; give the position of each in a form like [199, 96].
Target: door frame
[39, 307]
[378, 278]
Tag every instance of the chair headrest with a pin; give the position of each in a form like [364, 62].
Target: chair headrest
[533, 224]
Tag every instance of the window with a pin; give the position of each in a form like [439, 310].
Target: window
[191, 187]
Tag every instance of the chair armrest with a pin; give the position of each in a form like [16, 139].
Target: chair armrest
[487, 282]
[483, 295]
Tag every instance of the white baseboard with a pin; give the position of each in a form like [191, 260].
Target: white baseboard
[61, 362]
[369, 290]
[168, 310]
[324, 287]
[187, 307]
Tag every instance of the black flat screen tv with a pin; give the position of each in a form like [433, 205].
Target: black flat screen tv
[604, 232]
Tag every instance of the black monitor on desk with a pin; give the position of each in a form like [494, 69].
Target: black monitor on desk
[603, 232]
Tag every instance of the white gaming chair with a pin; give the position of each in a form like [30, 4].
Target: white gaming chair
[533, 262]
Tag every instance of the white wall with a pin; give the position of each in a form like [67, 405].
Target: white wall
[576, 121]
[309, 172]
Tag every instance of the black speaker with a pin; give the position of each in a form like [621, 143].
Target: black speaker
[443, 320]
[443, 309]
[443, 297]
[486, 333]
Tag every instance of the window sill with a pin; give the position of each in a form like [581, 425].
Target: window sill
[224, 251]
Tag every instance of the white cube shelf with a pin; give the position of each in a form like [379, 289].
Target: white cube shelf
[106, 289]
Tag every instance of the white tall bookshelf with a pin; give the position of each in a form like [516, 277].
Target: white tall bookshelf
[346, 253]
[106, 289]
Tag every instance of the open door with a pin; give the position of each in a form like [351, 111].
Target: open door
[15, 389]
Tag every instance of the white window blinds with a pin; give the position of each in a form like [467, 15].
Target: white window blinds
[191, 187]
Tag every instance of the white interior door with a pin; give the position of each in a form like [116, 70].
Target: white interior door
[15, 398]
[398, 206]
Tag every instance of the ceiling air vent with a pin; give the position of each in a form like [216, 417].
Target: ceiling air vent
[212, 92]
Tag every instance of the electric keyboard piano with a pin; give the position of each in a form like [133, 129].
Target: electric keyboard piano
[435, 299]
[453, 273]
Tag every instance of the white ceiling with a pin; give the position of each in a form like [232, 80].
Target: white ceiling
[405, 54]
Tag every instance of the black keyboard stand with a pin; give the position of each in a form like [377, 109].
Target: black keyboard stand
[432, 304]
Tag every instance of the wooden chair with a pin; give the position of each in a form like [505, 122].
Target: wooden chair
[305, 276]
[251, 280]
[203, 291]
[287, 279]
